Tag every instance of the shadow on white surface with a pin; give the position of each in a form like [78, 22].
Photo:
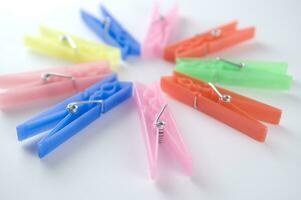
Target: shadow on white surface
[279, 137]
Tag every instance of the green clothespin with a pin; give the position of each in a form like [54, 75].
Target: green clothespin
[255, 74]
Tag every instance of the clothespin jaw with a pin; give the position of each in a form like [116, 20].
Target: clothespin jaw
[239, 112]
[159, 31]
[159, 127]
[75, 113]
[255, 74]
[26, 88]
[210, 42]
[63, 45]
[111, 32]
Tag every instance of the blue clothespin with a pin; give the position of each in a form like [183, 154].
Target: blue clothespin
[111, 32]
[75, 113]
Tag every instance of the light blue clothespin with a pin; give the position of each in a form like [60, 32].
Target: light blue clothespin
[75, 113]
[111, 32]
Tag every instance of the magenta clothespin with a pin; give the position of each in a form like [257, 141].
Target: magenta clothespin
[28, 87]
[159, 127]
[159, 32]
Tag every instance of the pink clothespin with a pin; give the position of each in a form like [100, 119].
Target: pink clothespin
[27, 87]
[159, 127]
[159, 32]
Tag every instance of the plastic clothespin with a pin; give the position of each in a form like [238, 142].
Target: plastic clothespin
[29, 87]
[256, 74]
[212, 41]
[239, 112]
[159, 31]
[159, 127]
[111, 32]
[75, 113]
[63, 45]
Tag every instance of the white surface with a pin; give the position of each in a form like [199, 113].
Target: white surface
[107, 160]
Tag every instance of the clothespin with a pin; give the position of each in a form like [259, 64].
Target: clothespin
[256, 74]
[159, 31]
[29, 87]
[239, 112]
[75, 113]
[209, 42]
[112, 33]
[63, 45]
[159, 127]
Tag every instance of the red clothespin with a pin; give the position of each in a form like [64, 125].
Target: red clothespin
[237, 111]
[212, 41]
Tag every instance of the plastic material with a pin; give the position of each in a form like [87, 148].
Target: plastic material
[241, 113]
[159, 32]
[50, 42]
[111, 32]
[149, 102]
[29, 87]
[63, 124]
[212, 41]
[255, 74]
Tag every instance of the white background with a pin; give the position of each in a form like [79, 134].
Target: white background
[108, 160]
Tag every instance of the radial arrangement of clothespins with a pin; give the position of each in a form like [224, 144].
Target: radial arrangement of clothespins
[94, 89]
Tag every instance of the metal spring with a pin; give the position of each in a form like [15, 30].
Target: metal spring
[73, 107]
[224, 98]
[68, 39]
[240, 65]
[216, 32]
[107, 24]
[160, 124]
[48, 75]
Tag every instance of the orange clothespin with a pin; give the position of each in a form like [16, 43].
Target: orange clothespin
[212, 41]
[237, 111]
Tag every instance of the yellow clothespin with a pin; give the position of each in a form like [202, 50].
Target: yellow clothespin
[59, 44]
